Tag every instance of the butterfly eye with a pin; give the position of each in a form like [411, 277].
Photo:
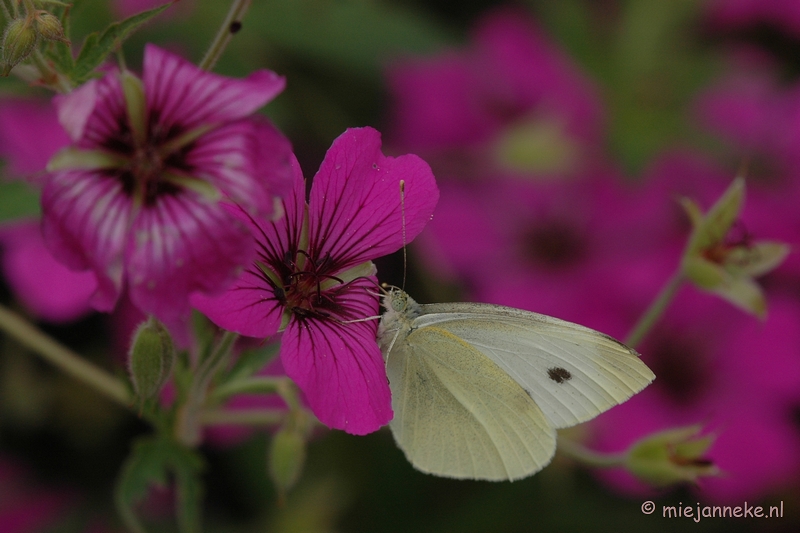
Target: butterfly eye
[398, 302]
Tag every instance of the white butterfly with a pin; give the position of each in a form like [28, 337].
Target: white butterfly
[479, 390]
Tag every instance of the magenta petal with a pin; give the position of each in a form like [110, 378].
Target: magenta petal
[29, 135]
[341, 371]
[92, 113]
[180, 245]
[46, 287]
[85, 223]
[354, 209]
[248, 160]
[182, 94]
[249, 306]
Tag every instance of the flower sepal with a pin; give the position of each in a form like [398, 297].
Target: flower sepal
[672, 456]
[715, 263]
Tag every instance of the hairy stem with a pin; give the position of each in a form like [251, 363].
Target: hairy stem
[656, 309]
[65, 359]
[230, 26]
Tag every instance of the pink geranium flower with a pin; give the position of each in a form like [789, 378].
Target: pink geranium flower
[137, 197]
[313, 277]
[44, 286]
[29, 136]
[738, 377]
[511, 101]
[733, 14]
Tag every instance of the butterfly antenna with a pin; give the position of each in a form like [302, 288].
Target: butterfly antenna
[403, 219]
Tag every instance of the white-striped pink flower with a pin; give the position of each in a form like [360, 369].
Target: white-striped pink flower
[137, 197]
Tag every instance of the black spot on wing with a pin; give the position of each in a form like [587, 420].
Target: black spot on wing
[558, 374]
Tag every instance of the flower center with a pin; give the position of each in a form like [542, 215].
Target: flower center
[682, 368]
[302, 292]
[554, 245]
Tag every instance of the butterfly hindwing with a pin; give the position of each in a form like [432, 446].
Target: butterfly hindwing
[458, 414]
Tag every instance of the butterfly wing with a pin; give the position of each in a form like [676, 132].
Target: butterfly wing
[457, 414]
[573, 373]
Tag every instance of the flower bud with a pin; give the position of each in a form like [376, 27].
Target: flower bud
[18, 42]
[671, 456]
[49, 26]
[287, 454]
[150, 359]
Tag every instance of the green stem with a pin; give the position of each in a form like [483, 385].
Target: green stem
[65, 359]
[50, 77]
[187, 430]
[248, 417]
[656, 309]
[253, 385]
[226, 31]
[589, 457]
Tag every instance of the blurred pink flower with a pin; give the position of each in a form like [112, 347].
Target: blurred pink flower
[313, 276]
[137, 197]
[48, 289]
[732, 14]
[26, 507]
[542, 246]
[29, 136]
[469, 108]
[735, 375]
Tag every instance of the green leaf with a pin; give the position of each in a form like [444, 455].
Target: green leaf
[351, 34]
[154, 460]
[18, 200]
[96, 48]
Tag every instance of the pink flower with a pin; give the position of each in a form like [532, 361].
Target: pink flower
[138, 197]
[29, 136]
[473, 109]
[44, 286]
[749, 13]
[738, 377]
[313, 278]
[26, 507]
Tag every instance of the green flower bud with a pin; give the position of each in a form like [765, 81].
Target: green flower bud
[150, 360]
[49, 27]
[287, 456]
[18, 43]
[671, 456]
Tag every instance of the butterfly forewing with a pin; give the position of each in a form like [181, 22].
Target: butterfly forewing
[572, 373]
[457, 414]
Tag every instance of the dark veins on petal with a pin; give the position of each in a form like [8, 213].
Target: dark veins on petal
[301, 276]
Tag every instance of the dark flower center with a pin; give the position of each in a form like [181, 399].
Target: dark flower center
[302, 292]
[554, 245]
[143, 175]
[682, 367]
